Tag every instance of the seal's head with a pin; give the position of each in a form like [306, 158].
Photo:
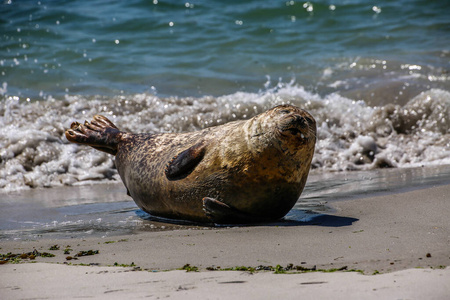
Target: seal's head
[288, 128]
[295, 127]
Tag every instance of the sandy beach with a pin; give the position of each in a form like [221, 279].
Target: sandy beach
[398, 246]
[373, 219]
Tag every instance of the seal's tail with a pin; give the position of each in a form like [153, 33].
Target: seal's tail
[100, 134]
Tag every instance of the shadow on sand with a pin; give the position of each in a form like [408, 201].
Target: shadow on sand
[293, 218]
[321, 220]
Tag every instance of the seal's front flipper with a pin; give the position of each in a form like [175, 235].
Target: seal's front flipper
[220, 213]
[100, 134]
[185, 162]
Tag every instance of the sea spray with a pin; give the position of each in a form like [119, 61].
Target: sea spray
[351, 134]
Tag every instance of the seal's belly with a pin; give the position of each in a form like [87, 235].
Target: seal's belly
[182, 199]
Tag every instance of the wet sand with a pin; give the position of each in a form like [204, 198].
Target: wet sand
[402, 238]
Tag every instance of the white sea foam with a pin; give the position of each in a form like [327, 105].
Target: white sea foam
[351, 134]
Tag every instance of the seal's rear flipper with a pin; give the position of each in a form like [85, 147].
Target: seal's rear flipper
[220, 213]
[100, 134]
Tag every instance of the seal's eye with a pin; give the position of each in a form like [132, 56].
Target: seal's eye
[285, 111]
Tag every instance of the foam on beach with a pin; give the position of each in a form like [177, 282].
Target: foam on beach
[351, 134]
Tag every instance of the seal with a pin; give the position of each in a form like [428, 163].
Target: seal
[241, 172]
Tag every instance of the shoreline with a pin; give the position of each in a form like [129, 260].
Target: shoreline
[104, 209]
[405, 232]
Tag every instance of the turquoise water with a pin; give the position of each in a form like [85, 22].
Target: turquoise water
[179, 48]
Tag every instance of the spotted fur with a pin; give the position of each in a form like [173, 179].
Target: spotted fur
[244, 171]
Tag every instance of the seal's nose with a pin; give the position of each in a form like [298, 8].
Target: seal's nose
[299, 121]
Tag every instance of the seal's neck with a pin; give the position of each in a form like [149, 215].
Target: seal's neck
[259, 134]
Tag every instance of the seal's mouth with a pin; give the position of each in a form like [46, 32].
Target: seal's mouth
[295, 131]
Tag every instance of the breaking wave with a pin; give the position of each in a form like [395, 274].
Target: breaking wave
[351, 134]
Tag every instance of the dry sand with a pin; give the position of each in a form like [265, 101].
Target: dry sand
[51, 281]
[404, 238]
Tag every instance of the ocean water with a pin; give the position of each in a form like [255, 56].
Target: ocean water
[380, 52]
[375, 75]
